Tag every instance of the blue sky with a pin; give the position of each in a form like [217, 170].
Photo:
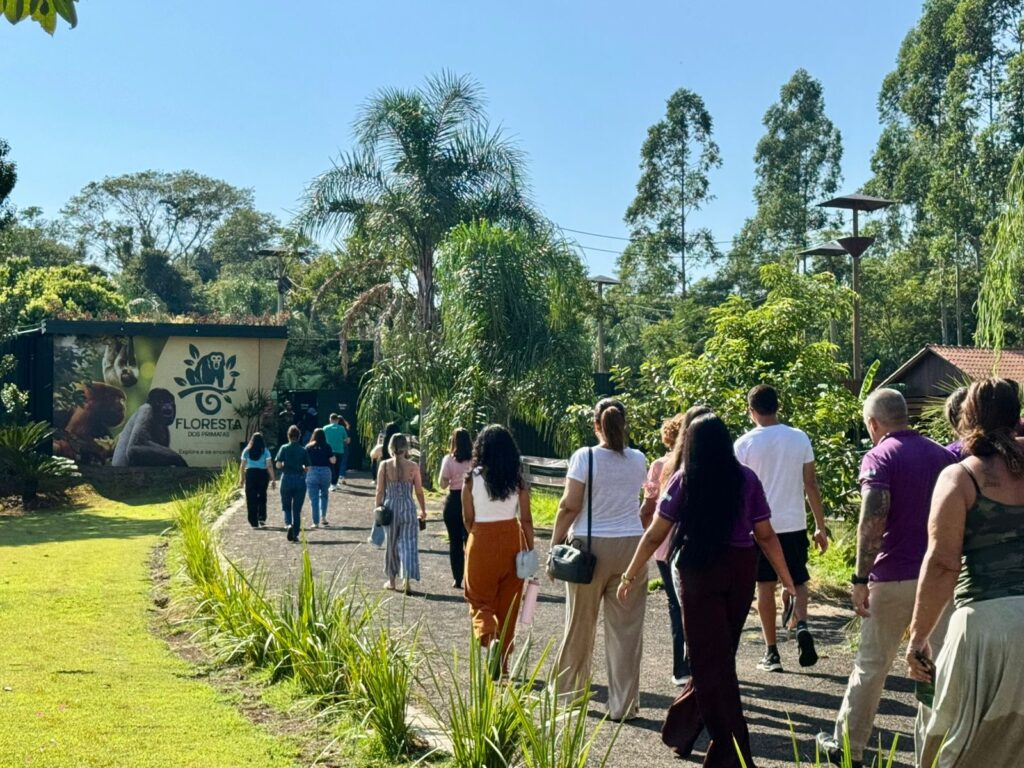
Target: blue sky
[263, 96]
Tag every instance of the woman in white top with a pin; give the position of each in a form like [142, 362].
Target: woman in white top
[493, 492]
[619, 474]
[454, 468]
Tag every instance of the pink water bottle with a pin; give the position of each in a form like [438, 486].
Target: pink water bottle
[529, 602]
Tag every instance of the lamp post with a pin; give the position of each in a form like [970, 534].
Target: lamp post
[831, 249]
[855, 246]
[601, 281]
[284, 283]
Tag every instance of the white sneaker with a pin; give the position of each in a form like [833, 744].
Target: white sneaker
[679, 682]
[316, 525]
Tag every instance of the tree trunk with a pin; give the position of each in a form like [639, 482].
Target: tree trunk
[426, 318]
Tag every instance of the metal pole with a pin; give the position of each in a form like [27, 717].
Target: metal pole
[600, 329]
[959, 321]
[855, 284]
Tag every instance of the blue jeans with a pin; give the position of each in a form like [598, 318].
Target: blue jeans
[318, 481]
[680, 666]
[293, 491]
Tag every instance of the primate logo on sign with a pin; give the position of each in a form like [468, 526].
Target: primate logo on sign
[205, 378]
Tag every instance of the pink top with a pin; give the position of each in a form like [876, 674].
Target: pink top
[454, 472]
[652, 490]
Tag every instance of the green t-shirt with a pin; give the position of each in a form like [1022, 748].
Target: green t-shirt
[336, 436]
[294, 458]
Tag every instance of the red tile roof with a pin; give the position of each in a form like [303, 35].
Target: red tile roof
[982, 363]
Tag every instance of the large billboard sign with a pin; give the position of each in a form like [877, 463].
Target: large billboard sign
[157, 401]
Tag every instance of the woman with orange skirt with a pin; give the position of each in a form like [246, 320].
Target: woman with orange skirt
[493, 493]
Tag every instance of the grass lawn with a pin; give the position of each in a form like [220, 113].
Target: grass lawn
[544, 506]
[82, 680]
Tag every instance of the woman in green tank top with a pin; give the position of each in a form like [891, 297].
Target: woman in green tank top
[976, 559]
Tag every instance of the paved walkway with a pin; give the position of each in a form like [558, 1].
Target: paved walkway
[808, 699]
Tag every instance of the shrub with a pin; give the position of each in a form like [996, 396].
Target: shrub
[25, 466]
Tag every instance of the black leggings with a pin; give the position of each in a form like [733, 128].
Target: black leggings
[256, 482]
[456, 534]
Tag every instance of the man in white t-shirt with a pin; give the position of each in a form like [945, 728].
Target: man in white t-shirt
[783, 460]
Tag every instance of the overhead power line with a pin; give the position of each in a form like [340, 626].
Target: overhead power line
[620, 238]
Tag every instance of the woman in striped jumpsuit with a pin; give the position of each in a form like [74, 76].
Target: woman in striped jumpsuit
[397, 479]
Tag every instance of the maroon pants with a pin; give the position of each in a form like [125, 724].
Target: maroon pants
[715, 602]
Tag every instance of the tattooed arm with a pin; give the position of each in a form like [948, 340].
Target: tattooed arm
[874, 515]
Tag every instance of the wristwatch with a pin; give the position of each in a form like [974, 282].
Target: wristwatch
[625, 580]
[857, 580]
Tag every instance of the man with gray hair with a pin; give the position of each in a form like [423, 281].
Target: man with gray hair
[897, 477]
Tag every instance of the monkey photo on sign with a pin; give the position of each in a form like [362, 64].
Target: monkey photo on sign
[145, 440]
[102, 408]
[120, 368]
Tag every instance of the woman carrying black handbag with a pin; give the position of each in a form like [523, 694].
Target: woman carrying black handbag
[599, 514]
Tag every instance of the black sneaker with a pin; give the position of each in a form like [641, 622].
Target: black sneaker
[808, 656]
[770, 662]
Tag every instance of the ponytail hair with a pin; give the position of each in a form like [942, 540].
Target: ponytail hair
[988, 423]
[610, 416]
[398, 446]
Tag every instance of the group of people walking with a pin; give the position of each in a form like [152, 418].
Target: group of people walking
[313, 468]
[940, 554]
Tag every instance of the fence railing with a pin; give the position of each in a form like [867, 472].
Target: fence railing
[545, 473]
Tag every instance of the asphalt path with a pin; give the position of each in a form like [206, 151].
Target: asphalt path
[782, 709]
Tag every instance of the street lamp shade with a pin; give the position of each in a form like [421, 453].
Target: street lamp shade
[857, 202]
[855, 246]
[603, 280]
[831, 248]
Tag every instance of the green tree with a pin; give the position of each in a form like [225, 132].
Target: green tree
[797, 165]
[675, 161]
[513, 344]
[37, 239]
[30, 294]
[151, 277]
[1000, 309]
[43, 12]
[953, 119]
[772, 342]
[8, 178]
[238, 239]
[425, 162]
[174, 213]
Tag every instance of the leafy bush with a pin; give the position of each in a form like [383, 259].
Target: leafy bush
[772, 343]
[25, 466]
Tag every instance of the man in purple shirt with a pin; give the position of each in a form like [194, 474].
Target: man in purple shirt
[897, 477]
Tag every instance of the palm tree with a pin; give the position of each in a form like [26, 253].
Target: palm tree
[425, 161]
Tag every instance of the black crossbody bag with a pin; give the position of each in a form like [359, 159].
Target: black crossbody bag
[569, 563]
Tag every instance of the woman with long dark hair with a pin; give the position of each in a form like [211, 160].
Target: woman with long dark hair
[657, 478]
[318, 475]
[718, 509]
[606, 519]
[454, 467]
[493, 493]
[256, 472]
[975, 559]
